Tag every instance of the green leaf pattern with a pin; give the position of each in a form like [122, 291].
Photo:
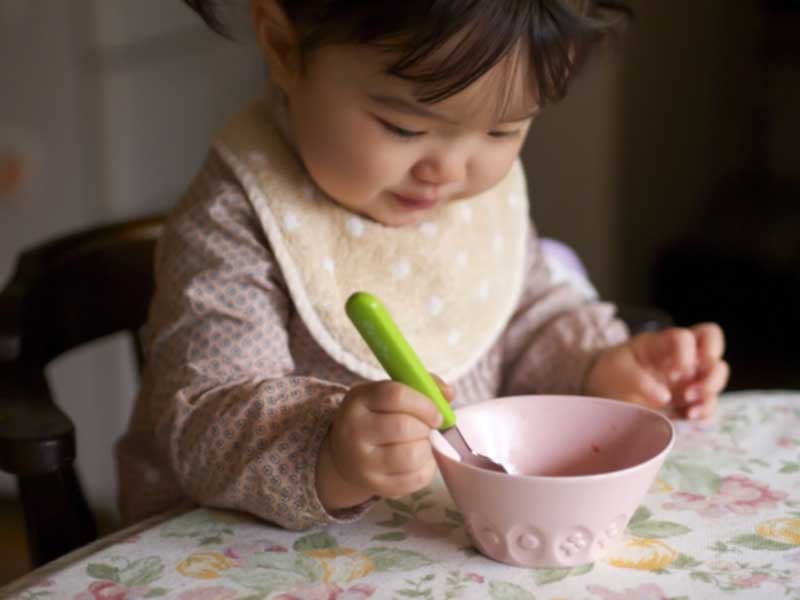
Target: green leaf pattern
[501, 590]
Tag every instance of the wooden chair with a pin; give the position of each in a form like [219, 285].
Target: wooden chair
[63, 294]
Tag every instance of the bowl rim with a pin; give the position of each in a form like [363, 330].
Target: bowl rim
[564, 478]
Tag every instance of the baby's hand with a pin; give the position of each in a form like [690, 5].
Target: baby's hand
[379, 444]
[683, 366]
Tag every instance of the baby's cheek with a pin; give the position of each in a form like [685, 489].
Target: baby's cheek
[362, 155]
[333, 167]
[380, 168]
[486, 172]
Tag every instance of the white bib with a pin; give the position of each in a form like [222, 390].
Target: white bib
[451, 283]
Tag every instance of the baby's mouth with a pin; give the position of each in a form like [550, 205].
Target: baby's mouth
[416, 202]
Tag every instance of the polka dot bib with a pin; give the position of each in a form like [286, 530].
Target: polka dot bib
[450, 282]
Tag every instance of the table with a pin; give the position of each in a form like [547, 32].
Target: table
[722, 520]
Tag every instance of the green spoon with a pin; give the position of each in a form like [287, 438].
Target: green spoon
[383, 337]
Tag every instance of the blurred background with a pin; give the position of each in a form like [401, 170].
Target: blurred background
[673, 169]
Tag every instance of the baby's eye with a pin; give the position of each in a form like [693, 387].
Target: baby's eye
[504, 134]
[399, 131]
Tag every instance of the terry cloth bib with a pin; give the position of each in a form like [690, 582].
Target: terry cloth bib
[451, 282]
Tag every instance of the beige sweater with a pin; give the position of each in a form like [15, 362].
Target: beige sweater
[238, 394]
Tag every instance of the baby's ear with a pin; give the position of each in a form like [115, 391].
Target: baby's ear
[277, 38]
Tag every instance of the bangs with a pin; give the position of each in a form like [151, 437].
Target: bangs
[460, 41]
[448, 53]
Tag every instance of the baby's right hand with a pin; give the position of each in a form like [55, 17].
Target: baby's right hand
[379, 443]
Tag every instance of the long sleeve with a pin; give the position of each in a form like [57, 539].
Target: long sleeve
[236, 424]
[555, 333]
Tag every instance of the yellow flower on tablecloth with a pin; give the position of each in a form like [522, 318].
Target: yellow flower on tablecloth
[341, 565]
[645, 554]
[782, 529]
[204, 565]
[660, 487]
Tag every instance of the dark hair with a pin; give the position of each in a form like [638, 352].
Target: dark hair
[557, 34]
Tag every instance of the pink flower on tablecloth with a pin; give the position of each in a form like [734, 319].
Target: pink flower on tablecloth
[216, 592]
[475, 577]
[111, 590]
[328, 591]
[751, 581]
[737, 494]
[721, 566]
[243, 551]
[787, 442]
[647, 591]
[132, 539]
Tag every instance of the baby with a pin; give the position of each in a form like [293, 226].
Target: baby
[384, 159]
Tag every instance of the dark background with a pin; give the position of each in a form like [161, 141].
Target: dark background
[738, 259]
[677, 177]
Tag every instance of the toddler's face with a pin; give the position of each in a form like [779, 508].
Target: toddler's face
[378, 152]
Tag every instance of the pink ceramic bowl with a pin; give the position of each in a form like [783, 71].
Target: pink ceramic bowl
[585, 464]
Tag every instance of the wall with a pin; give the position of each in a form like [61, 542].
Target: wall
[570, 158]
[626, 163]
[692, 85]
[44, 122]
[111, 110]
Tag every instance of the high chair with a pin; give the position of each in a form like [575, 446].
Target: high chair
[65, 293]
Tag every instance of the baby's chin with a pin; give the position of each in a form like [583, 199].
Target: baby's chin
[402, 219]
[388, 214]
[396, 218]
[394, 215]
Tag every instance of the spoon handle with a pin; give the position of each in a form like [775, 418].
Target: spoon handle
[383, 337]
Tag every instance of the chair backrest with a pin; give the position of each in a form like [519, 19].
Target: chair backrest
[63, 293]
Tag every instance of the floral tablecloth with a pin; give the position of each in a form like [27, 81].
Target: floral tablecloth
[721, 521]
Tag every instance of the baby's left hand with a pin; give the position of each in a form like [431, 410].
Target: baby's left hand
[682, 366]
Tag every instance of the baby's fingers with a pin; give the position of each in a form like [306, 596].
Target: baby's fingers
[671, 353]
[710, 343]
[395, 428]
[446, 388]
[397, 398]
[702, 395]
[643, 388]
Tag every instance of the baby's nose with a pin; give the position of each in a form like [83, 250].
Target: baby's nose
[440, 170]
